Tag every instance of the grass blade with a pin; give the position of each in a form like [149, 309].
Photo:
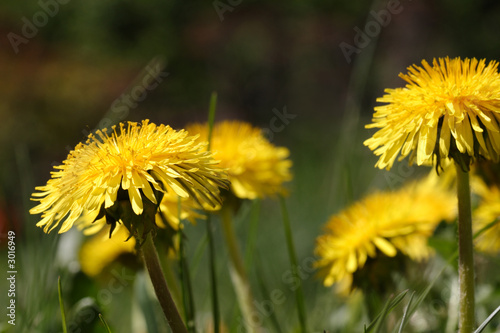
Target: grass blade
[61, 304]
[380, 318]
[405, 314]
[104, 323]
[299, 294]
[391, 303]
[487, 321]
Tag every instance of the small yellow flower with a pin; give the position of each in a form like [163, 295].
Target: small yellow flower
[487, 212]
[383, 224]
[168, 212]
[132, 167]
[450, 110]
[256, 168]
[101, 250]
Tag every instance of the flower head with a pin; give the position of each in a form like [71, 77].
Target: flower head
[383, 224]
[487, 212]
[256, 168]
[450, 110]
[127, 172]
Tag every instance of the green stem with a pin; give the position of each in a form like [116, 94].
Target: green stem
[210, 235]
[213, 277]
[465, 253]
[61, 305]
[237, 269]
[252, 233]
[104, 323]
[152, 263]
[299, 294]
[172, 281]
[187, 290]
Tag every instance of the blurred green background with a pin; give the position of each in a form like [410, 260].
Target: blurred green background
[60, 79]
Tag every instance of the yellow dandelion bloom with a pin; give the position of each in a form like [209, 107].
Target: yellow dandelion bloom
[383, 224]
[256, 168]
[450, 110]
[134, 165]
[101, 250]
[487, 212]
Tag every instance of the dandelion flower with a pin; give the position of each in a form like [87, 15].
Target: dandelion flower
[447, 111]
[132, 167]
[383, 224]
[256, 168]
[487, 212]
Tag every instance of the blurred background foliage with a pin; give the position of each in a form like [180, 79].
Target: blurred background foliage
[262, 56]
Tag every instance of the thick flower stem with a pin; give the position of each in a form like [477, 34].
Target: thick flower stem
[152, 263]
[465, 253]
[237, 270]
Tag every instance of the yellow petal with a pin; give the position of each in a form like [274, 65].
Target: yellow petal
[385, 246]
[351, 264]
[135, 200]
